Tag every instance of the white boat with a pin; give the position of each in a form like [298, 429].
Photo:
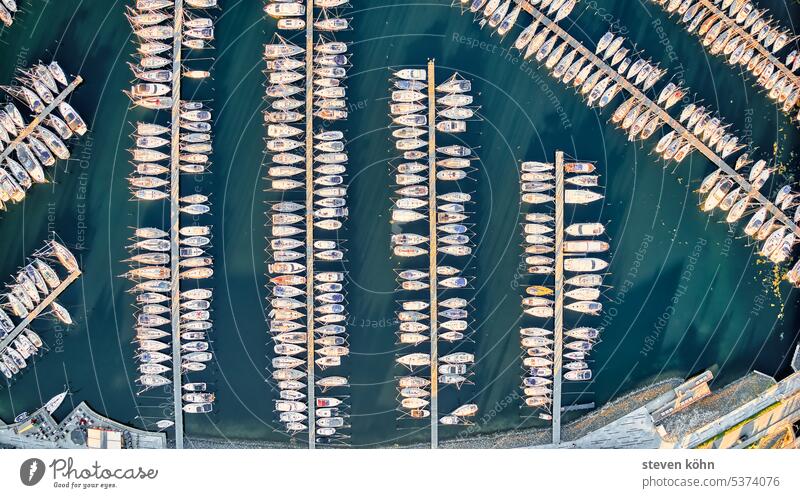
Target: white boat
[586, 280]
[198, 408]
[414, 359]
[579, 345]
[717, 194]
[150, 380]
[467, 410]
[580, 196]
[584, 293]
[586, 307]
[578, 375]
[55, 402]
[288, 9]
[585, 229]
[61, 313]
[411, 74]
[585, 246]
[584, 264]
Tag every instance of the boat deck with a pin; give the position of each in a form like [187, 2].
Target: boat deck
[661, 113]
[22, 135]
[432, 253]
[310, 365]
[46, 301]
[558, 295]
[175, 222]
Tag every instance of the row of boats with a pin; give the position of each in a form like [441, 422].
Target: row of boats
[33, 284]
[307, 302]
[640, 118]
[39, 147]
[290, 15]
[720, 189]
[157, 155]
[776, 240]
[432, 223]
[500, 14]
[639, 121]
[740, 32]
[580, 247]
[599, 85]
[154, 25]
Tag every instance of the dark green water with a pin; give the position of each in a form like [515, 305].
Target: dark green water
[725, 314]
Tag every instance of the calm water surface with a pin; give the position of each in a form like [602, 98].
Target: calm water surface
[687, 293]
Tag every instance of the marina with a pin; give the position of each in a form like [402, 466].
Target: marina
[444, 109]
[34, 294]
[746, 37]
[165, 258]
[521, 122]
[546, 362]
[642, 117]
[34, 144]
[318, 69]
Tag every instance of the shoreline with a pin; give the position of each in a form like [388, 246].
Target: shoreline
[504, 439]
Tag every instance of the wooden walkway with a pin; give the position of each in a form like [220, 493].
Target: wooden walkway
[558, 295]
[23, 134]
[310, 365]
[433, 253]
[661, 113]
[175, 223]
[46, 301]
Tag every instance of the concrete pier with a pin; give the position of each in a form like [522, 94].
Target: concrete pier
[46, 301]
[787, 391]
[558, 295]
[23, 134]
[310, 365]
[175, 222]
[661, 113]
[70, 432]
[432, 255]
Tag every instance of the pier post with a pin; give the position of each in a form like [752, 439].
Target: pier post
[433, 253]
[310, 224]
[175, 222]
[558, 295]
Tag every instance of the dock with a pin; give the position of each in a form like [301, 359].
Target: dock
[432, 253]
[23, 134]
[175, 223]
[663, 114]
[310, 365]
[46, 301]
[558, 295]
